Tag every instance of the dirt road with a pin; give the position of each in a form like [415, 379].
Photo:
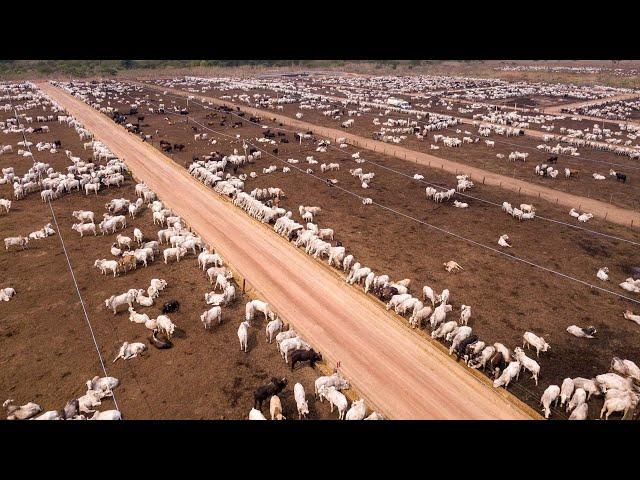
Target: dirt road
[599, 209]
[397, 373]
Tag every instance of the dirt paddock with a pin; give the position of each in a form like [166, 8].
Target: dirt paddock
[507, 297]
[479, 155]
[46, 348]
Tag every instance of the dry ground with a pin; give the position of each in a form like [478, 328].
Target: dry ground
[507, 297]
[46, 349]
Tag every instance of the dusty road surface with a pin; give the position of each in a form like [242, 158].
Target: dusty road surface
[396, 372]
[599, 209]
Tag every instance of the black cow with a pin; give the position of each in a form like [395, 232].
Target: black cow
[462, 346]
[284, 140]
[274, 387]
[310, 356]
[57, 143]
[468, 349]
[497, 363]
[178, 146]
[171, 306]
[553, 160]
[37, 130]
[621, 177]
[388, 292]
[275, 151]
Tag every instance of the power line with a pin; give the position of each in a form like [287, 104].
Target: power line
[380, 107]
[66, 254]
[518, 387]
[442, 230]
[559, 222]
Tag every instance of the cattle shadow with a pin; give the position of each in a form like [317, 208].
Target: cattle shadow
[179, 333]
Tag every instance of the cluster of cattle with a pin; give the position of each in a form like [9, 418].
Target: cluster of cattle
[523, 89]
[80, 408]
[620, 110]
[462, 341]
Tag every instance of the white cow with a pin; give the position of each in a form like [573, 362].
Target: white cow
[357, 411]
[273, 328]
[243, 335]
[550, 395]
[531, 339]
[336, 399]
[214, 313]
[301, 402]
[130, 350]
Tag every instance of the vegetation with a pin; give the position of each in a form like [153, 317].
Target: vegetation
[63, 69]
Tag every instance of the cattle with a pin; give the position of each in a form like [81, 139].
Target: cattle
[302, 355]
[171, 306]
[262, 393]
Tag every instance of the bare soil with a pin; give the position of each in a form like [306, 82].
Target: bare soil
[46, 348]
[507, 297]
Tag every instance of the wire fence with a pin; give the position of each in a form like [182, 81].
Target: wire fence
[68, 260]
[396, 212]
[465, 195]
